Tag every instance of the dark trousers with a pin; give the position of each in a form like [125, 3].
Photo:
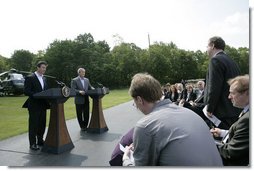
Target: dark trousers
[37, 125]
[82, 111]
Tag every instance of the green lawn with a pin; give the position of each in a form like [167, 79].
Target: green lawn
[14, 118]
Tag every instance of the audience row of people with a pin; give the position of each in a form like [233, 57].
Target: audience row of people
[172, 135]
[180, 93]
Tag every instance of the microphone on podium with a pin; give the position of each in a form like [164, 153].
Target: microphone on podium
[60, 83]
[100, 85]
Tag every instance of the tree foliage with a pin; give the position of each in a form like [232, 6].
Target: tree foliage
[22, 60]
[3, 64]
[115, 67]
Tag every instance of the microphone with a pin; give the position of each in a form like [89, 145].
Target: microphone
[99, 84]
[60, 83]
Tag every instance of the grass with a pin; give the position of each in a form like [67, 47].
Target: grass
[14, 118]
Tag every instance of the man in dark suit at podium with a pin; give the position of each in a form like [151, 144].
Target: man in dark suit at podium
[37, 108]
[81, 84]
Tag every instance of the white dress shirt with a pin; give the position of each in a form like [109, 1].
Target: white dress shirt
[40, 79]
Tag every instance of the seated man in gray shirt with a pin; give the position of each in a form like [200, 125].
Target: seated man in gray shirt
[168, 135]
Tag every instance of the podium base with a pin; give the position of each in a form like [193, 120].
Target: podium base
[97, 130]
[57, 150]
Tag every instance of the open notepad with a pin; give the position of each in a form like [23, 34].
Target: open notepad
[122, 148]
[213, 119]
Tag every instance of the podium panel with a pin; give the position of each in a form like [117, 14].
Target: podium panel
[97, 122]
[58, 139]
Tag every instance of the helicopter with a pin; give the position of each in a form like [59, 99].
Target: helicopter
[12, 82]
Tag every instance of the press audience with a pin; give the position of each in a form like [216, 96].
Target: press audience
[168, 135]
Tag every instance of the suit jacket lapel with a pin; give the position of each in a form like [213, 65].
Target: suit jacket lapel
[37, 82]
[45, 83]
[233, 127]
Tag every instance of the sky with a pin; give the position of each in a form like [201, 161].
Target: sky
[34, 24]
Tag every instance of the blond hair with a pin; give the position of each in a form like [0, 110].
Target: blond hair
[241, 82]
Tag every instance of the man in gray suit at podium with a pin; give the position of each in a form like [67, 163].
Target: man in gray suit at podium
[81, 84]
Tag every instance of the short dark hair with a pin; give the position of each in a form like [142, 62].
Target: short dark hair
[218, 42]
[41, 63]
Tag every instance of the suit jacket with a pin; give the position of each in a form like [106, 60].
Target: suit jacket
[199, 104]
[200, 101]
[32, 86]
[221, 69]
[77, 86]
[192, 96]
[236, 150]
[175, 97]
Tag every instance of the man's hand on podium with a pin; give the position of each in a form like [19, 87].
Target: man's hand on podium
[82, 92]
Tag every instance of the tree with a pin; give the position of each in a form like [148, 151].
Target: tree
[22, 60]
[115, 68]
[3, 64]
[240, 56]
[244, 60]
[126, 60]
[61, 60]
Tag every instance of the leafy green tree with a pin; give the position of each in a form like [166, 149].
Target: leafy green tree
[159, 57]
[115, 68]
[240, 56]
[3, 64]
[65, 57]
[202, 64]
[244, 60]
[61, 60]
[22, 60]
[126, 59]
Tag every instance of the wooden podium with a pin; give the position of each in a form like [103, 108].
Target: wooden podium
[97, 122]
[58, 139]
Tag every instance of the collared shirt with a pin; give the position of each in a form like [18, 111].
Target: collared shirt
[245, 109]
[199, 93]
[85, 83]
[82, 81]
[40, 78]
[218, 52]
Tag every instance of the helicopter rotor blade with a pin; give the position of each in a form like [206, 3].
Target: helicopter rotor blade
[25, 72]
[3, 73]
[13, 70]
[49, 76]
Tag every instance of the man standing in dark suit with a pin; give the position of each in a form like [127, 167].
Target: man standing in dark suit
[37, 108]
[235, 147]
[221, 69]
[81, 84]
